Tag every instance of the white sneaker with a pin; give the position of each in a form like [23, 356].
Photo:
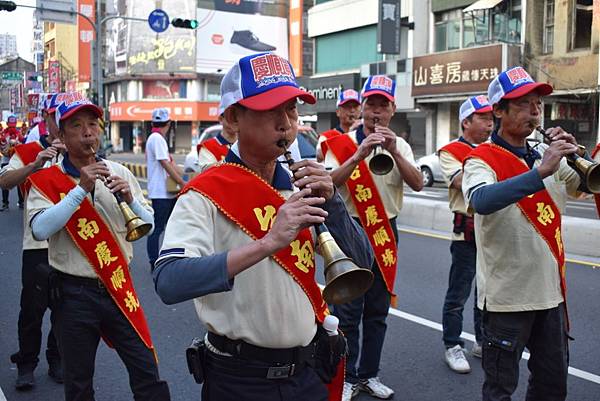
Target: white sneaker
[477, 351]
[349, 392]
[456, 360]
[375, 388]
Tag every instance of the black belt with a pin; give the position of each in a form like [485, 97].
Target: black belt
[85, 281]
[278, 356]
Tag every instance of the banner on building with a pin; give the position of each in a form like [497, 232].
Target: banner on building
[295, 39]
[460, 71]
[224, 37]
[178, 110]
[53, 76]
[86, 36]
[388, 28]
[135, 49]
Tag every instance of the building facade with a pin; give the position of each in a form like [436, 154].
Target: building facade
[8, 45]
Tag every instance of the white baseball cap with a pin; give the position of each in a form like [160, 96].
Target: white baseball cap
[475, 104]
[160, 115]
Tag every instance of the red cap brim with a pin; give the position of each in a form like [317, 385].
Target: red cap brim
[92, 107]
[276, 97]
[541, 88]
[486, 109]
[378, 92]
[348, 101]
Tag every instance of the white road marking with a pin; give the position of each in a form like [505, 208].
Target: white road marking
[582, 374]
[2, 397]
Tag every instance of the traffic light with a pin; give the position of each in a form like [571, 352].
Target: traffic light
[35, 78]
[184, 23]
[7, 5]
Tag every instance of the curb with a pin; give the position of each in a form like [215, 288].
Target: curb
[580, 235]
[139, 170]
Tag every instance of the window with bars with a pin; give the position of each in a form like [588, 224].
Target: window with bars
[548, 39]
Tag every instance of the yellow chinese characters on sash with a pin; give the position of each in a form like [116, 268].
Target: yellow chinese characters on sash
[92, 235]
[372, 214]
[539, 209]
[255, 216]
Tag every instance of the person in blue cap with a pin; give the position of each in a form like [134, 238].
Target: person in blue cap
[518, 192]
[73, 206]
[251, 275]
[476, 121]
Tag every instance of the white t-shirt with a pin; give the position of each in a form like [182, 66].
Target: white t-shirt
[33, 135]
[156, 150]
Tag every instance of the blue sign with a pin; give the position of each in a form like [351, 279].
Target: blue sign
[158, 20]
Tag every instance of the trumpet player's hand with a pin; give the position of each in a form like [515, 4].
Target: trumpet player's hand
[367, 145]
[89, 174]
[118, 184]
[553, 155]
[389, 136]
[58, 145]
[557, 133]
[45, 155]
[301, 210]
[308, 174]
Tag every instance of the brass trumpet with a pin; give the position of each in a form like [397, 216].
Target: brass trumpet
[589, 171]
[136, 227]
[344, 280]
[381, 163]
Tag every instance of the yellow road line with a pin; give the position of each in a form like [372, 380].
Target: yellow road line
[447, 237]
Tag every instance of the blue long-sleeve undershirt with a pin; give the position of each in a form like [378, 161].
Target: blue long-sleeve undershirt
[50, 221]
[487, 199]
[180, 279]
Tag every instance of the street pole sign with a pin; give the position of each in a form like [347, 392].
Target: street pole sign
[11, 76]
[158, 20]
[60, 11]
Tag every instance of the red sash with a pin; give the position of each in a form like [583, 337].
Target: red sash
[539, 209]
[597, 196]
[255, 216]
[93, 237]
[459, 150]
[27, 153]
[367, 201]
[332, 133]
[218, 150]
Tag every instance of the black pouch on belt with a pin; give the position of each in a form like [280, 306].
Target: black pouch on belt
[54, 289]
[329, 352]
[464, 224]
[195, 356]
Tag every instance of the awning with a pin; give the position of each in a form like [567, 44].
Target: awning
[482, 5]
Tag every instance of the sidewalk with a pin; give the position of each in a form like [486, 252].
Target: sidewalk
[581, 236]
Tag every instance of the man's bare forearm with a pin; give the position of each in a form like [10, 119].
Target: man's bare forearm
[16, 177]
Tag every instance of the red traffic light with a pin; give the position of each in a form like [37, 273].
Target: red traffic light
[7, 5]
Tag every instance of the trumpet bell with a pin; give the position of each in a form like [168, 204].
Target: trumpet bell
[136, 227]
[344, 281]
[381, 163]
[590, 171]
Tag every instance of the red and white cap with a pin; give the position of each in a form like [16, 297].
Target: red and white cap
[513, 83]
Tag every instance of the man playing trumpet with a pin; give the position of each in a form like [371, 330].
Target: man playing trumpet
[238, 243]
[374, 200]
[73, 206]
[518, 194]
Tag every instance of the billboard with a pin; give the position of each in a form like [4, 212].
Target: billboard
[86, 36]
[223, 37]
[134, 48]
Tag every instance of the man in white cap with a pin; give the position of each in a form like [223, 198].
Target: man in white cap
[476, 123]
[375, 201]
[517, 193]
[348, 112]
[239, 244]
[160, 166]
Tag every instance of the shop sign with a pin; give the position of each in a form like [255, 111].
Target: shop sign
[461, 71]
[326, 90]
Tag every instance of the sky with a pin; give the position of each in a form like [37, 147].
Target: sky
[20, 23]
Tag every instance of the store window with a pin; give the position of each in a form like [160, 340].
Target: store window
[548, 40]
[581, 34]
[447, 30]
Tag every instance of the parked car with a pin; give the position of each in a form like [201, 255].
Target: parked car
[430, 167]
[307, 142]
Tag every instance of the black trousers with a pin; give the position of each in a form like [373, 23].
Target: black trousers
[83, 314]
[34, 302]
[221, 383]
[506, 334]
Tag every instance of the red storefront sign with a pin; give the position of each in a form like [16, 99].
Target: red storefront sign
[179, 111]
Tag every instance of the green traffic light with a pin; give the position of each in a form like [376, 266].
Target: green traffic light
[193, 24]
